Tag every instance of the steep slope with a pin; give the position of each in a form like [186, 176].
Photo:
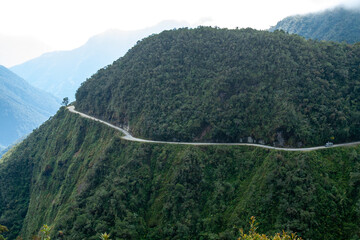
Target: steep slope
[22, 106]
[79, 177]
[223, 85]
[338, 24]
[61, 73]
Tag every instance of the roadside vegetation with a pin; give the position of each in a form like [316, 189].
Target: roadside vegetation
[82, 178]
[220, 85]
[203, 84]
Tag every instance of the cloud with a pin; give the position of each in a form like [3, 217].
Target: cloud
[352, 4]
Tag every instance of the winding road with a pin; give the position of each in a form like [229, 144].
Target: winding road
[129, 137]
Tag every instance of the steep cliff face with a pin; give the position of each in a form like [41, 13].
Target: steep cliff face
[82, 179]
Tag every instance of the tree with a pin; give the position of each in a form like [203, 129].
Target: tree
[65, 101]
[45, 231]
[105, 236]
[2, 230]
[253, 235]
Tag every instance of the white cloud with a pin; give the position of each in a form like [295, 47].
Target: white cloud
[66, 24]
[352, 4]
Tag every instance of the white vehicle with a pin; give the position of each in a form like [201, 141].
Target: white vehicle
[329, 144]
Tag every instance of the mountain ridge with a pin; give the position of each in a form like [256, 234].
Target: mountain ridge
[79, 177]
[62, 72]
[220, 85]
[208, 84]
[23, 107]
[338, 24]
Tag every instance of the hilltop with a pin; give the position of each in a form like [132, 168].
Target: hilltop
[222, 85]
[339, 24]
[62, 72]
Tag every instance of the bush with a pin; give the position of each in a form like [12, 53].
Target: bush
[253, 235]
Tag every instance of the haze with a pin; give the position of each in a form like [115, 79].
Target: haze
[67, 24]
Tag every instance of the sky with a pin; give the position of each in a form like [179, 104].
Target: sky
[67, 24]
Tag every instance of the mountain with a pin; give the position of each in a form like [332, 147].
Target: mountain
[339, 24]
[79, 177]
[62, 72]
[2, 148]
[23, 107]
[223, 85]
[18, 49]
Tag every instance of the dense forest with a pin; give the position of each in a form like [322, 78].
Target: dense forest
[205, 84]
[339, 24]
[219, 85]
[81, 179]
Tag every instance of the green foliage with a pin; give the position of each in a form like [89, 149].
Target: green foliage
[105, 236]
[45, 232]
[65, 101]
[220, 85]
[253, 235]
[100, 183]
[339, 24]
[2, 230]
[201, 84]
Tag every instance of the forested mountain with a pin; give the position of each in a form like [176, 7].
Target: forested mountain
[205, 84]
[22, 107]
[223, 85]
[61, 73]
[339, 24]
[80, 178]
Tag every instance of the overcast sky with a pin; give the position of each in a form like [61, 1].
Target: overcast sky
[66, 24]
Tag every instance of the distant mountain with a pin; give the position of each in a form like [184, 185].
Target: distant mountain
[62, 72]
[2, 148]
[22, 107]
[18, 49]
[339, 24]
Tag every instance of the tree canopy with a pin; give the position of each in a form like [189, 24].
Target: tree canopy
[339, 24]
[209, 84]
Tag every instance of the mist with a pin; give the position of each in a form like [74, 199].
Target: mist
[351, 4]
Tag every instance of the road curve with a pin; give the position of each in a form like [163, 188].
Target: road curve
[129, 137]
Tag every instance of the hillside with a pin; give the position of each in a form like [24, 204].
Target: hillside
[222, 85]
[62, 72]
[23, 107]
[339, 24]
[204, 84]
[79, 177]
